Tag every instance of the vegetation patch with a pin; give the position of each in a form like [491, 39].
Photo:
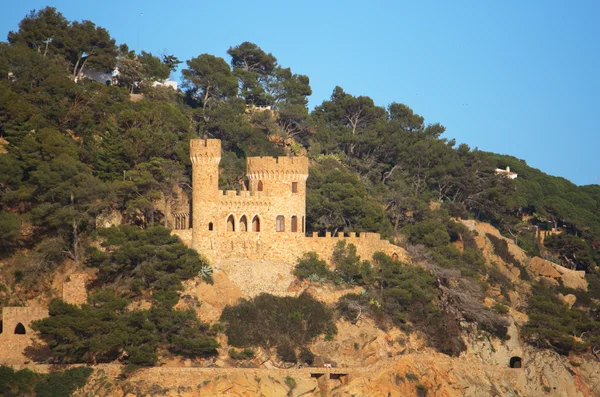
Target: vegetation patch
[55, 384]
[104, 331]
[285, 323]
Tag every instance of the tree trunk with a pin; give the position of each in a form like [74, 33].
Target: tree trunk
[166, 222]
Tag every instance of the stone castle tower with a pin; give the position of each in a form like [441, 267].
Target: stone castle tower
[268, 221]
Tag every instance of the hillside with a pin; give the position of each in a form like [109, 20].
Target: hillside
[482, 284]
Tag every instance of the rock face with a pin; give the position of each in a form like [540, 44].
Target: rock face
[543, 373]
[570, 278]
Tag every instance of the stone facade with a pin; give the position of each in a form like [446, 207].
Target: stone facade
[16, 334]
[265, 222]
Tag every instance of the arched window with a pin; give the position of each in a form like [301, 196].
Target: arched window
[255, 224]
[294, 187]
[515, 362]
[280, 223]
[20, 329]
[210, 226]
[243, 224]
[230, 224]
[260, 186]
[294, 224]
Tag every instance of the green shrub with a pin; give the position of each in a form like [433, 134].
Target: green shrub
[269, 320]
[501, 249]
[290, 382]
[500, 308]
[104, 329]
[421, 390]
[348, 265]
[145, 259]
[553, 325]
[55, 384]
[411, 377]
[306, 356]
[241, 355]
[310, 265]
[286, 353]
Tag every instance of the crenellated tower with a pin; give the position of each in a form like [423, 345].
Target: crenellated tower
[283, 181]
[205, 155]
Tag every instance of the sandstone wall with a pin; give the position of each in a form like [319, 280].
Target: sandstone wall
[12, 345]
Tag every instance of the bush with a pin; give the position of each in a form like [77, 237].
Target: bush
[310, 265]
[268, 321]
[501, 249]
[553, 325]
[421, 390]
[145, 259]
[306, 356]
[56, 384]
[103, 330]
[348, 264]
[286, 353]
[241, 355]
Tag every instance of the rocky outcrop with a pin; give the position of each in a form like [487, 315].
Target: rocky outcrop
[552, 272]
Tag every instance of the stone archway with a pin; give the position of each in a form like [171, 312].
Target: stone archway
[20, 329]
[243, 224]
[230, 224]
[256, 224]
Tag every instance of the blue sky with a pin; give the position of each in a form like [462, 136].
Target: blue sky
[512, 77]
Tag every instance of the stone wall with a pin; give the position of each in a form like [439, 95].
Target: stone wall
[17, 333]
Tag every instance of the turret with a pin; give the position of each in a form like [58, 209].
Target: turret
[205, 155]
[283, 180]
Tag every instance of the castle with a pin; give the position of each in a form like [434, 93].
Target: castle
[265, 222]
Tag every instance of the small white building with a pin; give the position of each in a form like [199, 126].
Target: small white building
[165, 83]
[507, 172]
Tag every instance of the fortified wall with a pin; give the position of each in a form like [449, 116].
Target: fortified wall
[16, 333]
[266, 222]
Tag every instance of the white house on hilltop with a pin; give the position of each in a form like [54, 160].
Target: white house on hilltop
[507, 172]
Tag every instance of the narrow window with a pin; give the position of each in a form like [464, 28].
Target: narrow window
[20, 329]
[243, 224]
[230, 224]
[294, 187]
[302, 224]
[0, 326]
[280, 223]
[255, 224]
[210, 226]
[294, 224]
[260, 186]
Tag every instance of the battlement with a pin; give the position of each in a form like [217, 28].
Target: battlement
[277, 168]
[241, 193]
[203, 150]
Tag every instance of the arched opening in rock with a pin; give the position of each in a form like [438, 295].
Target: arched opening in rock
[20, 329]
[243, 224]
[515, 362]
[394, 256]
[255, 224]
[230, 224]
